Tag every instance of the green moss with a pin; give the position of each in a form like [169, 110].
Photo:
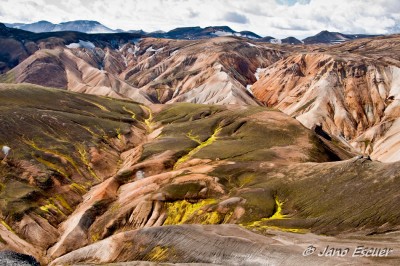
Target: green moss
[259, 204]
[98, 105]
[182, 112]
[55, 153]
[132, 113]
[52, 166]
[246, 180]
[180, 191]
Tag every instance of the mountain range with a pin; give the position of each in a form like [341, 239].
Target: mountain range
[188, 33]
[86, 26]
[188, 147]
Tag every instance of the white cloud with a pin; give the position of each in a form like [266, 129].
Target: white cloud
[279, 18]
[235, 18]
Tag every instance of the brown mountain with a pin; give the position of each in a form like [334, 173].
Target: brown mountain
[213, 71]
[350, 89]
[176, 159]
[125, 174]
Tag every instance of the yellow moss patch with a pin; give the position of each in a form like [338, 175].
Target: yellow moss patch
[7, 226]
[115, 207]
[78, 188]
[102, 107]
[259, 225]
[181, 211]
[95, 237]
[227, 217]
[203, 144]
[246, 180]
[211, 218]
[63, 202]
[195, 138]
[33, 145]
[88, 129]
[278, 213]
[133, 115]
[119, 135]
[149, 120]
[84, 156]
[158, 253]
[290, 230]
[53, 167]
[51, 205]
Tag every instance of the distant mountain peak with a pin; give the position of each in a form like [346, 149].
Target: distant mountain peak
[191, 33]
[86, 26]
[329, 37]
[44, 21]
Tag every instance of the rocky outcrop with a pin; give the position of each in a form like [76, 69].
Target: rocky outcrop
[11, 258]
[350, 96]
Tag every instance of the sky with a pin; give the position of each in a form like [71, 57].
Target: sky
[277, 18]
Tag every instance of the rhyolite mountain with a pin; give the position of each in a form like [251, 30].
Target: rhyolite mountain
[224, 150]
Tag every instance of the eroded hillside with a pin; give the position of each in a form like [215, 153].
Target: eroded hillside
[98, 180]
[351, 90]
[212, 71]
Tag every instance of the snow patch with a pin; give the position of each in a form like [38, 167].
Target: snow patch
[134, 51]
[151, 49]
[137, 48]
[221, 33]
[81, 44]
[174, 52]
[245, 36]
[251, 45]
[248, 88]
[258, 72]
[276, 41]
[100, 29]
